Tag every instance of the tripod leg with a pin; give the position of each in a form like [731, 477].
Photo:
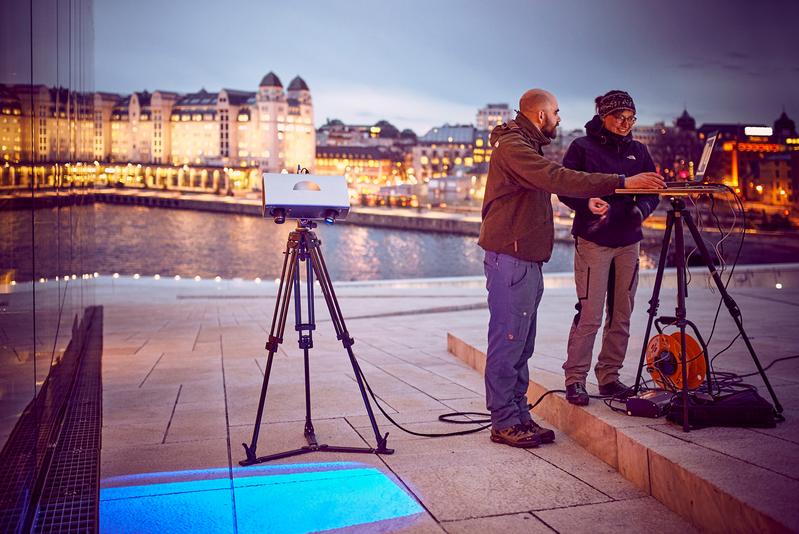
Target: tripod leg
[732, 306]
[275, 338]
[305, 340]
[318, 263]
[679, 256]
[654, 302]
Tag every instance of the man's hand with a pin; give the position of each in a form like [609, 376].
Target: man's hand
[644, 180]
[598, 206]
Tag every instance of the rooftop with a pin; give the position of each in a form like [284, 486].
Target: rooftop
[183, 363]
[448, 133]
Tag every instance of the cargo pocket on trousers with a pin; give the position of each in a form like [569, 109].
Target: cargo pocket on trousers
[582, 279]
[518, 324]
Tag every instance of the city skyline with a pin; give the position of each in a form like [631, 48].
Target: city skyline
[419, 65]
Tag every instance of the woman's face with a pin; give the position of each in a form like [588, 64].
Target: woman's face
[619, 122]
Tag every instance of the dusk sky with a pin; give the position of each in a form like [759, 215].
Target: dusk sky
[420, 64]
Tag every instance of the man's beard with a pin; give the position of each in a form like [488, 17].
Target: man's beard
[550, 129]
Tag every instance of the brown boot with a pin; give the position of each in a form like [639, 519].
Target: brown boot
[545, 435]
[516, 436]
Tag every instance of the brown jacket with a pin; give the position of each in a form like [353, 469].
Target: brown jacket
[517, 210]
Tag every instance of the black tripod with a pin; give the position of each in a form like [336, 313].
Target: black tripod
[303, 245]
[674, 222]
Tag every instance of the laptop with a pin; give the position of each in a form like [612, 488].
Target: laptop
[699, 177]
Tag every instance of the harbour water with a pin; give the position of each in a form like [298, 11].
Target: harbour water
[140, 240]
[189, 243]
[144, 240]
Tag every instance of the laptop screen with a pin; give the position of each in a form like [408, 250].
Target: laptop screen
[705, 159]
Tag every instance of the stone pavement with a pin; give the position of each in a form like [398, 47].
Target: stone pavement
[182, 368]
[720, 479]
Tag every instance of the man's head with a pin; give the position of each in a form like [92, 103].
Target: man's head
[541, 107]
[617, 111]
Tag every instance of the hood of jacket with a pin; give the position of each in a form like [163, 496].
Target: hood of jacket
[521, 125]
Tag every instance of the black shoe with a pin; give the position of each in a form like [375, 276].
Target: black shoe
[615, 389]
[516, 436]
[576, 394]
[545, 435]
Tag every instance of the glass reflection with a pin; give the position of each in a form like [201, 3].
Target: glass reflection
[46, 147]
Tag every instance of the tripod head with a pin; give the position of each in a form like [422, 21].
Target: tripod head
[677, 203]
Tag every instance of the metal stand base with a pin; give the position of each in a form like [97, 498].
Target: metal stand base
[304, 246]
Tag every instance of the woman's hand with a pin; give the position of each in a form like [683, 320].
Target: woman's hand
[598, 206]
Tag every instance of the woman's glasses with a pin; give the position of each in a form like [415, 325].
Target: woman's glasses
[621, 119]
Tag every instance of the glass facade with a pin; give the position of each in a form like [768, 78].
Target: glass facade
[46, 250]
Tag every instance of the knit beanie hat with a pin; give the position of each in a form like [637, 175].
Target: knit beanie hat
[613, 101]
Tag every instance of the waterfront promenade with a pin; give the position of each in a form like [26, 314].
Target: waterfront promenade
[182, 367]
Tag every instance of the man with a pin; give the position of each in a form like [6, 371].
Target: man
[517, 234]
[607, 232]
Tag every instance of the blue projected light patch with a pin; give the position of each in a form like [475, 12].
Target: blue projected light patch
[283, 498]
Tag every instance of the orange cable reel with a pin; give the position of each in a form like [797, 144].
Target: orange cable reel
[663, 361]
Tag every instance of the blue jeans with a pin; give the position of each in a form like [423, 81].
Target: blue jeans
[514, 288]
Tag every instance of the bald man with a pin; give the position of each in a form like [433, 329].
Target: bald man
[517, 235]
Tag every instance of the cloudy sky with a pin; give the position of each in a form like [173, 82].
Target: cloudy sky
[421, 63]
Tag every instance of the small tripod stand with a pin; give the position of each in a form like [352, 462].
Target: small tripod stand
[674, 221]
[303, 245]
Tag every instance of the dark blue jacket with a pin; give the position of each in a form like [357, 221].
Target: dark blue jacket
[603, 151]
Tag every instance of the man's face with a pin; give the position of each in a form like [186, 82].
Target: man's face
[551, 119]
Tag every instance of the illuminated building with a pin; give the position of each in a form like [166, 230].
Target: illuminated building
[779, 177]
[759, 161]
[493, 115]
[650, 135]
[271, 128]
[41, 123]
[10, 126]
[444, 149]
[195, 124]
[375, 159]
[367, 168]
[336, 133]
[104, 104]
[674, 149]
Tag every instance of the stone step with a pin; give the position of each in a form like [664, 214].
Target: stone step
[716, 491]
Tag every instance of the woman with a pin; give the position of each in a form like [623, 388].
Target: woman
[607, 232]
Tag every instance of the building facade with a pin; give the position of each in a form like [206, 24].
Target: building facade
[366, 168]
[271, 129]
[493, 115]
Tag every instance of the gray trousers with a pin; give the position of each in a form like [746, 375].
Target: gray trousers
[601, 271]
[514, 288]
